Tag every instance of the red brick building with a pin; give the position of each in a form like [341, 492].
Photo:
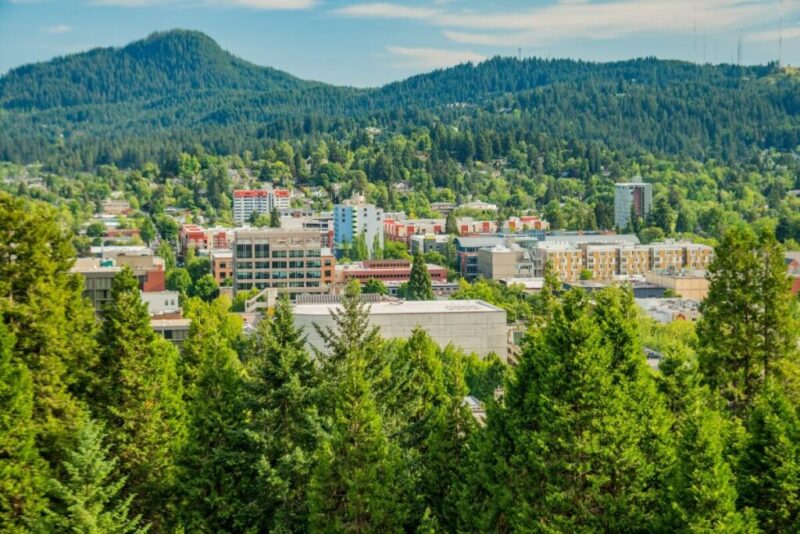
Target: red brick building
[385, 271]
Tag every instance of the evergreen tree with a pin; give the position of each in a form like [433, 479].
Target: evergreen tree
[141, 398]
[542, 456]
[359, 252]
[701, 488]
[22, 471]
[377, 250]
[214, 461]
[54, 326]
[274, 218]
[451, 224]
[89, 499]
[357, 485]
[419, 281]
[285, 427]
[769, 468]
[747, 330]
[375, 286]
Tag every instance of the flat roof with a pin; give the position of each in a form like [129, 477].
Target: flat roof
[416, 307]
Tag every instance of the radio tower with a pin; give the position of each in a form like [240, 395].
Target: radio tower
[739, 51]
[780, 38]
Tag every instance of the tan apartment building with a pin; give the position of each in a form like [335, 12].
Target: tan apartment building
[567, 260]
[221, 265]
[288, 260]
[601, 260]
[697, 256]
[633, 260]
[688, 284]
[665, 256]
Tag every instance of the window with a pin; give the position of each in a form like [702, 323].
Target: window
[278, 264]
[244, 265]
[295, 264]
[262, 250]
[244, 251]
[313, 254]
[262, 265]
[296, 253]
[280, 275]
[278, 253]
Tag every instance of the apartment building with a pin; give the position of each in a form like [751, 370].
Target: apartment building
[633, 260]
[292, 261]
[398, 230]
[602, 260]
[631, 197]
[355, 217]
[668, 256]
[204, 239]
[566, 259]
[391, 270]
[221, 265]
[501, 262]
[258, 201]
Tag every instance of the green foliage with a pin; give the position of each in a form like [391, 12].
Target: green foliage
[375, 286]
[22, 471]
[511, 298]
[748, 327]
[179, 280]
[419, 281]
[89, 499]
[285, 426]
[586, 274]
[395, 250]
[214, 462]
[140, 398]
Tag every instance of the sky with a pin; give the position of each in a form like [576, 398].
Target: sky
[365, 43]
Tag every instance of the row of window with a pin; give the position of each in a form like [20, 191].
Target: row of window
[294, 264]
[277, 275]
[243, 286]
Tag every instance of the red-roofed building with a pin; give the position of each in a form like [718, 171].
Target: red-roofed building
[204, 238]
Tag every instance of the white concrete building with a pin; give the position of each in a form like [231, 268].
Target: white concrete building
[161, 302]
[473, 325]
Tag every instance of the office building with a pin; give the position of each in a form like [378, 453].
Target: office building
[221, 265]
[502, 261]
[631, 197]
[98, 274]
[293, 262]
[204, 239]
[356, 217]
[430, 243]
[473, 325]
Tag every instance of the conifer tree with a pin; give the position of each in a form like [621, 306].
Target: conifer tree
[701, 489]
[141, 398]
[214, 462]
[769, 467]
[22, 471]
[543, 444]
[360, 251]
[274, 218]
[89, 499]
[285, 426]
[54, 326]
[747, 330]
[450, 224]
[357, 485]
[377, 250]
[419, 282]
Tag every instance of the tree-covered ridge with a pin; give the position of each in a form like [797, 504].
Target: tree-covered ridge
[174, 90]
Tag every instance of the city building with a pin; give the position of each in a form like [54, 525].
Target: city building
[443, 207]
[631, 197]
[293, 262]
[501, 261]
[116, 206]
[473, 325]
[390, 270]
[479, 205]
[249, 201]
[397, 230]
[221, 265]
[639, 288]
[204, 239]
[174, 330]
[688, 284]
[163, 304]
[567, 260]
[429, 243]
[356, 217]
[98, 273]
[525, 223]
[672, 309]
[467, 253]
[442, 290]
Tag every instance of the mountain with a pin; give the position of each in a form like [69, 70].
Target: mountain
[179, 88]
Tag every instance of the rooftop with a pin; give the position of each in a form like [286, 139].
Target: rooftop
[415, 307]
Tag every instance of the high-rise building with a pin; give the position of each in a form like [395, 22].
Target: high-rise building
[356, 217]
[630, 197]
[259, 201]
[292, 261]
[249, 201]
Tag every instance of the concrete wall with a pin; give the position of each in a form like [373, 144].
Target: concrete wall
[480, 332]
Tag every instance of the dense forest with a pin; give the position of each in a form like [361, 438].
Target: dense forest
[107, 427]
[173, 91]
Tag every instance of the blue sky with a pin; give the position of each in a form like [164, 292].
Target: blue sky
[364, 43]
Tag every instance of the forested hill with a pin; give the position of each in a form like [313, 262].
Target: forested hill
[177, 89]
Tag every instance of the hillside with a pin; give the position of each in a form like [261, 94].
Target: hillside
[176, 89]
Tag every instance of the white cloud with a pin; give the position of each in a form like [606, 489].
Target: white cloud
[789, 34]
[386, 11]
[581, 19]
[58, 28]
[431, 58]
[251, 4]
